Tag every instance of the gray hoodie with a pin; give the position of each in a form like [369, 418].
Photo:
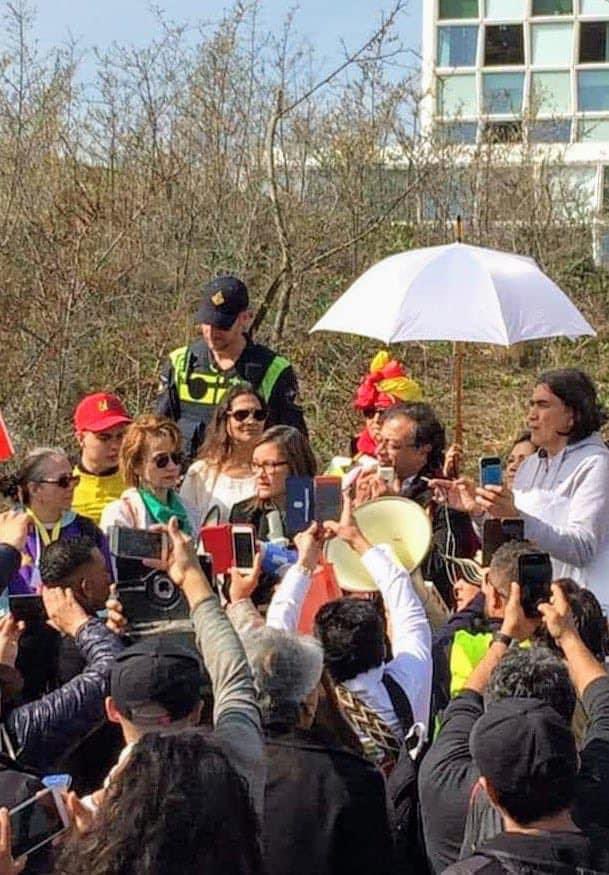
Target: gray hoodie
[564, 502]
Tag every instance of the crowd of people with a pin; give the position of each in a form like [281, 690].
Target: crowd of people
[389, 737]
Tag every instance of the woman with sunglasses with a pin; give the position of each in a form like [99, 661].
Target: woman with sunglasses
[150, 462]
[222, 475]
[44, 486]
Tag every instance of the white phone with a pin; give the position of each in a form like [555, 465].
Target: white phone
[37, 821]
[244, 547]
[387, 473]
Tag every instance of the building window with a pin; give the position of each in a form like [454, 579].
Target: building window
[593, 130]
[573, 190]
[458, 133]
[502, 132]
[594, 41]
[502, 93]
[552, 7]
[457, 95]
[505, 10]
[550, 93]
[457, 46]
[605, 192]
[550, 131]
[593, 7]
[552, 44]
[503, 44]
[458, 9]
[593, 90]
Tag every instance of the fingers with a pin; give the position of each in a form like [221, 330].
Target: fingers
[5, 831]
[514, 599]
[559, 599]
[347, 511]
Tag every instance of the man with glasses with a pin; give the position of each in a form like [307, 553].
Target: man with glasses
[100, 421]
[197, 376]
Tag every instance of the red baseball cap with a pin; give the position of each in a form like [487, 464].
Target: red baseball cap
[99, 412]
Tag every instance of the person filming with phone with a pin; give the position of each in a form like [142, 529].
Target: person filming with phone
[561, 492]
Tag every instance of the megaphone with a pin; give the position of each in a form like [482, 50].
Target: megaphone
[404, 526]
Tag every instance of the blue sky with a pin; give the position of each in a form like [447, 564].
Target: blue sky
[100, 22]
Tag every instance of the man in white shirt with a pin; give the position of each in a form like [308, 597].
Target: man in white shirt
[351, 629]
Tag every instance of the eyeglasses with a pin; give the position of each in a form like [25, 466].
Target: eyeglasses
[63, 481]
[370, 412]
[242, 415]
[268, 467]
[163, 459]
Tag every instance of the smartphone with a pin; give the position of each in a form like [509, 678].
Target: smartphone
[497, 532]
[218, 542]
[535, 578]
[28, 608]
[491, 473]
[244, 547]
[328, 495]
[137, 543]
[387, 473]
[207, 566]
[299, 503]
[37, 821]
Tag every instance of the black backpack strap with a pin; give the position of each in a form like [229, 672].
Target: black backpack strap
[400, 703]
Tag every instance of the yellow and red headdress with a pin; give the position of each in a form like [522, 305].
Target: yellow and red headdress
[386, 382]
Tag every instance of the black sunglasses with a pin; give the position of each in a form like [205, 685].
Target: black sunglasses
[63, 481]
[369, 412]
[242, 415]
[162, 460]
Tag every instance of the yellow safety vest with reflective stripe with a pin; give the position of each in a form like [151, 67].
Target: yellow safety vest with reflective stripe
[467, 650]
[209, 388]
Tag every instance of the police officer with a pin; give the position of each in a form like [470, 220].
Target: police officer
[196, 377]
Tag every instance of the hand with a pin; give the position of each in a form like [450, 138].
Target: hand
[116, 620]
[243, 585]
[14, 526]
[182, 564]
[497, 501]
[8, 866]
[10, 633]
[557, 615]
[309, 544]
[64, 612]
[515, 623]
[363, 487]
[452, 461]
[458, 494]
[81, 817]
[347, 528]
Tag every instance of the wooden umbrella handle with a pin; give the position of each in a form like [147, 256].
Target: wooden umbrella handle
[458, 391]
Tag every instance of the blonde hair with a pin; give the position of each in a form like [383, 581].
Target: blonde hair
[137, 435]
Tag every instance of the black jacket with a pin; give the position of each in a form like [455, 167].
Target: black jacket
[448, 774]
[10, 560]
[551, 853]
[43, 730]
[193, 417]
[325, 810]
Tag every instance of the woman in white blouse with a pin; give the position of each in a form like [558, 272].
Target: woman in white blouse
[222, 474]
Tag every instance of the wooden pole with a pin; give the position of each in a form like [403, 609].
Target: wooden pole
[458, 353]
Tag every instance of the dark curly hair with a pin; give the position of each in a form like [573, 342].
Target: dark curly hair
[577, 391]
[533, 673]
[178, 805]
[429, 429]
[588, 617]
[62, 558]
[352, 636]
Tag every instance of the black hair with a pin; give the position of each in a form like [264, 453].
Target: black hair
[62, 558]
[504, 564]
[524, 436]
[178, 805]
[429, 429]
[217, 445]
[352, 635]
[577, 391]
[590, 622]
[541, 797]
[533, 673]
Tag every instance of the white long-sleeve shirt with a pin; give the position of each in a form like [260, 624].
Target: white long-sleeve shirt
[411, 666]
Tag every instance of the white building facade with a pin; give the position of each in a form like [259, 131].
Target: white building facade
[533, 71]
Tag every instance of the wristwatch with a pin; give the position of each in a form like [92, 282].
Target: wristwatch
[502, 638]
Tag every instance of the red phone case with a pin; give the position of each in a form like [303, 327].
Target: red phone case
[217, 540]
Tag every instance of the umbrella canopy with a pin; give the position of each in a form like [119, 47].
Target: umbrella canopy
[455, 292]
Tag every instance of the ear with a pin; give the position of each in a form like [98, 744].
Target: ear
[488, 788]
[246, 318]
[112, 712]
[80, 438]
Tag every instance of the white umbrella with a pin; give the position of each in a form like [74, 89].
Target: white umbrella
[456, 292]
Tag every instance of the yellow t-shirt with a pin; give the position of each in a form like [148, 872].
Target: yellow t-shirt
[94, 492]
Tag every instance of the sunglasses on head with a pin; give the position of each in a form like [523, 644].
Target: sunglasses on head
[241, 415]
[63, 481]
[163, 459]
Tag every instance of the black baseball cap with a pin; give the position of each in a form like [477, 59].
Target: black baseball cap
[223, 299]
[156, 681]
[519, 743]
